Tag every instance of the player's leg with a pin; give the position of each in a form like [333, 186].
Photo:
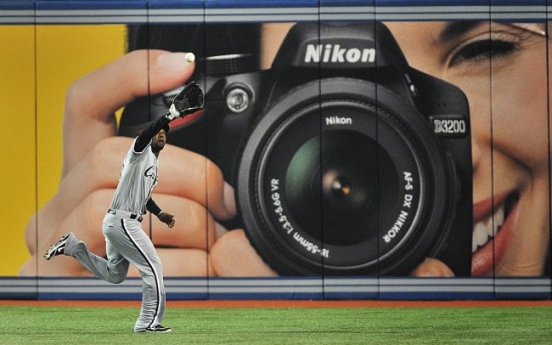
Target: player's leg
[136, 247]
[58, 248]
[114, 269]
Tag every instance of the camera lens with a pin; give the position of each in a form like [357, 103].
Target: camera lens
[336, 182]
[337, 174]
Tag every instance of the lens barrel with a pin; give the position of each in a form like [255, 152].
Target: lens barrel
[336, 182]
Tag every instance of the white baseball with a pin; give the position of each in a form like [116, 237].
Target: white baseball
[190, 57]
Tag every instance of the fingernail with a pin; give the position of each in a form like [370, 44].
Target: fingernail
[219, 230]
[229, 199]
[172, 61]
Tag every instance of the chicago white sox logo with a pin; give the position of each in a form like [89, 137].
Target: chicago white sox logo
[151, 173]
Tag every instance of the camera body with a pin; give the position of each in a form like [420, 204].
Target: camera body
[345, 160]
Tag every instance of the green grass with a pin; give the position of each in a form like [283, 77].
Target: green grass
[377, 325]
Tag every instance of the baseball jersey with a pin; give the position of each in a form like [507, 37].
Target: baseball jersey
[137, 180]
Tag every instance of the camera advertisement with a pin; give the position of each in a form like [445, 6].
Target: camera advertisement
[386, 145]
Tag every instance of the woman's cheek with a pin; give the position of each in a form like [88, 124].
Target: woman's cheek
[520, 126]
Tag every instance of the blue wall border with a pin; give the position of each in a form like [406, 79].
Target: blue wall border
[285, 288]
[195, 11]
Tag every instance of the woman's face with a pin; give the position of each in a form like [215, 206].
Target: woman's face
[503, 71]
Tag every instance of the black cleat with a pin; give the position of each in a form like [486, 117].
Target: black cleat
[155, 329]
[58, 248]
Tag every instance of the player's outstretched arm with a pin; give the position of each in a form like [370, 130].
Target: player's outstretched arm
[187, 101]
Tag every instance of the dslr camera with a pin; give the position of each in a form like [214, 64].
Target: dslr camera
[345, 160]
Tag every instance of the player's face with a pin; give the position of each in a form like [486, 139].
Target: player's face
[503, 71]
[159, 140]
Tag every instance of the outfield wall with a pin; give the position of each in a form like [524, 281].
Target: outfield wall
[348, 167]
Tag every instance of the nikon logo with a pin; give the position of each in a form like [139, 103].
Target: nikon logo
[336, 120]
[335, 54]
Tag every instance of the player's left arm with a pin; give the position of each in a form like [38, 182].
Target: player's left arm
[165, 217]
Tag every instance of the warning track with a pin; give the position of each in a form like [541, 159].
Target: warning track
[281, 303]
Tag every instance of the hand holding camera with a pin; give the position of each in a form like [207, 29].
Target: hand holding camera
[345, 160]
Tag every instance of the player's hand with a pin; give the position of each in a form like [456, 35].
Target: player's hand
[93, 154]
[166, 218]
[188, 101]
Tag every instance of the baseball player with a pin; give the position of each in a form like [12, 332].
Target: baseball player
[126, 242]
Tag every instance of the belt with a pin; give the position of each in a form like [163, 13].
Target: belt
[125, 214]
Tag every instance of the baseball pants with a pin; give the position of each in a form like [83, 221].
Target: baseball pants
[126, 243]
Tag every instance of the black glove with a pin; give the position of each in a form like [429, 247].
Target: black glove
[188, 101]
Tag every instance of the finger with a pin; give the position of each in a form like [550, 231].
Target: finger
[85, 221]
[176, 263]
[233, 256]
[195, 227]
[186, 173]
[431, 267]
[92, 99]
[33, 232]
[99, 169]
[196, 230]
[182, 173]
[60, 266]
[196, 234]
[219, 231]
[181, 263]
[87, 177]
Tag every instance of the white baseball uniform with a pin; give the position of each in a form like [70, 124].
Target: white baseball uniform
[126, 242]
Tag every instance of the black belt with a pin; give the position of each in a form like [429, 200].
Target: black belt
[125, 214]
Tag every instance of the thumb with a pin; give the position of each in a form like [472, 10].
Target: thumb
[431, 267]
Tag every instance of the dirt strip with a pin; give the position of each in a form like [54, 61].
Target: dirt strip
[281, 303]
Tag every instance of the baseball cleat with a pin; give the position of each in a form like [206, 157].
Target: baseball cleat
[155, 329]
[58, 248]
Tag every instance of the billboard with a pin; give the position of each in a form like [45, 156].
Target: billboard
[364, 149]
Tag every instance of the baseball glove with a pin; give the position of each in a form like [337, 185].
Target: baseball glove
[189, 99]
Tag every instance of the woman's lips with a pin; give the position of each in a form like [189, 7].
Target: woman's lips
[491, 234]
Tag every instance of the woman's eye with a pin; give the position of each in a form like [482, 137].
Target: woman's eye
[482, 51]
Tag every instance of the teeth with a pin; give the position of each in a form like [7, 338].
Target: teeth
[480, 235]
[484, 231]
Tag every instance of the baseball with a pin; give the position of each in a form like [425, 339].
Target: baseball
[190, 57]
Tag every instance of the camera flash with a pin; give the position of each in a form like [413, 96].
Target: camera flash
[190, 57]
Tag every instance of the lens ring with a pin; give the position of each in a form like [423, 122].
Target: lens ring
[275, 230]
